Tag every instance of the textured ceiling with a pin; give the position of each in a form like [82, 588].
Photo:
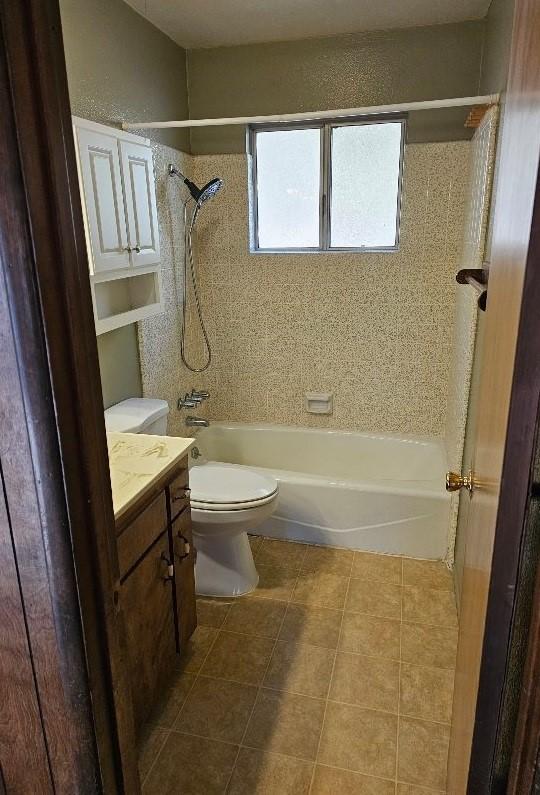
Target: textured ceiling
[212, 23]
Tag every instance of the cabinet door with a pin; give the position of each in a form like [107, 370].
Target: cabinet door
[147, 603]
[103, 200]
[184, 576]
[140, 193]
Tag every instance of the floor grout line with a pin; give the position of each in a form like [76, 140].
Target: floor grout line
[195, 677]
[328, 648]
[240, 746]
[331, 680]
[399, 681]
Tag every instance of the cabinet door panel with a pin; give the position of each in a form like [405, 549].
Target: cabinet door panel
[103, 200]
[147, 603]
[184, 576]
[140, 193]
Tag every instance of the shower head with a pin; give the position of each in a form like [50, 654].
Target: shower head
[200, 195]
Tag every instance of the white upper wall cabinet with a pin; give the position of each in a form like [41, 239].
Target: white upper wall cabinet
[103, 200]
[118, 193]
[140, 195]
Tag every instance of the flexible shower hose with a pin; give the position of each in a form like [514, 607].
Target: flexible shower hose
[188, 258]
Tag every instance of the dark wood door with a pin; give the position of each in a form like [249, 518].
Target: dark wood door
[147, 603]
[503, 449]
[184, 576]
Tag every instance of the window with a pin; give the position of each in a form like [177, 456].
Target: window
[326, 186]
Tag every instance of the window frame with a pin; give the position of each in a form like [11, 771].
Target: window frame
[325, 188]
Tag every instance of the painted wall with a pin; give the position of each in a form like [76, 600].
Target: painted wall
[119, 68]
[336, 72]
[497, 41]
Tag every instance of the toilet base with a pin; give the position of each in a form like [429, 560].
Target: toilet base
[224, 565]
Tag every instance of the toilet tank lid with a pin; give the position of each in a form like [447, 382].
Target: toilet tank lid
[134, 414]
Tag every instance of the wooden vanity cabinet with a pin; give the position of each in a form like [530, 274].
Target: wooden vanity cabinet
[150, 627]
[157, 587]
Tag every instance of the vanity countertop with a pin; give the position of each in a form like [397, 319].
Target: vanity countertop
[137, 460]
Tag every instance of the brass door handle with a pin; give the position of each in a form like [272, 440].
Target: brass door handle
[187, 547]
[455, 482]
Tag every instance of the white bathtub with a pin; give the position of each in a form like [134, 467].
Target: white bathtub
[381, 493]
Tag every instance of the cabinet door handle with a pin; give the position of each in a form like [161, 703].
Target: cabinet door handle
[185, 493]
[128, 249]
[170, 567]
[187, 547]
[137, 248]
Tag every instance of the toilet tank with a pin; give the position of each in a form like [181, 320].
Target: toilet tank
[138, 415]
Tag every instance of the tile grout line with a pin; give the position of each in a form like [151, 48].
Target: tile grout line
[331, 677]
[168, 731]
[259, 688]
[320, 646]
[399, 680]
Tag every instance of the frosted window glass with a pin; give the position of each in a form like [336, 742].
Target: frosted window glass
[365, 182]
[288, 179]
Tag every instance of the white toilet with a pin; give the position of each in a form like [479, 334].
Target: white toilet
[227, 501]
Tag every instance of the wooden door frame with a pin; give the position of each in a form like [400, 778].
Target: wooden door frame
[520, 255]
[53, 444]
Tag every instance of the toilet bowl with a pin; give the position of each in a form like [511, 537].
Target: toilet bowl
[226, 502]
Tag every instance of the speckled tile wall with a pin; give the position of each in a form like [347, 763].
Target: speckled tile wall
[163, 374]
[376, 330]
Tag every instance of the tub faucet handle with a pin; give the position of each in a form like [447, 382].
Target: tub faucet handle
[199, 395]
[187, 402]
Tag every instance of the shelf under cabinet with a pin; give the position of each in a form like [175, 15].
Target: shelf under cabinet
[126, 298]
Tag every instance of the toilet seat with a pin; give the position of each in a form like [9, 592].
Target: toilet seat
[228, 487]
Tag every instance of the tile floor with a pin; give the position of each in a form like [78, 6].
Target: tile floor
[335, 676]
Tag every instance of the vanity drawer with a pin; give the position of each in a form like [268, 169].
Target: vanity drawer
[179, 493]
[141, 533]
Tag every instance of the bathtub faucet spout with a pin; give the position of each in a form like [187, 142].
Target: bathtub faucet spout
[196, 422]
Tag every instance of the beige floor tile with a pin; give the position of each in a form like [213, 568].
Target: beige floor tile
[299, 668]
[429, 606]
[412, 789]
[423, 753]
[259, 773]
[432, 646]
[370, 635]
[216, 709]
[426, 692]
[359, 739]
[274, 583]
[286, 554]
[255, 542]
[166, 711]
[256, 617]
[149, 748]
[370, 682]
[331, 781]
[196, 649]
[381, 599]
[384, 568]
[427, 574]
[327, 560]
[318, 626]
[326, 590]
[191, 765]
[238, 658]
[286, 724]
[212, 612]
